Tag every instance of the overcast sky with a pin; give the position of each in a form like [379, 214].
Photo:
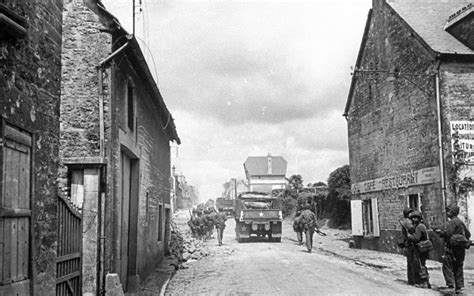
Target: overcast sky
[248, 78]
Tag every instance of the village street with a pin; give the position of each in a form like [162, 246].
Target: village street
[286, 268]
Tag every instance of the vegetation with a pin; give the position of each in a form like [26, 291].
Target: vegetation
[332, 200]
[338, 201]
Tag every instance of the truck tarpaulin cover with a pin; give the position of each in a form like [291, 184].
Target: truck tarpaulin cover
[256, 196]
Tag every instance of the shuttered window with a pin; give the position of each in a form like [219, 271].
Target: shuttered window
[356, 218]
[365, 217]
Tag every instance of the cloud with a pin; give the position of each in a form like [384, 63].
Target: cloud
[253, 62]
[247, 78]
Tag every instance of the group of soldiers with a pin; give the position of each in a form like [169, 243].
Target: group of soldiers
[305, 221]
[203, 221]
[416, 244]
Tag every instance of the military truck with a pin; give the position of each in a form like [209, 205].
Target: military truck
[257, 215]
[225, 206]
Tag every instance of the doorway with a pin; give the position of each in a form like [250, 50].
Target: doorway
[129, 219]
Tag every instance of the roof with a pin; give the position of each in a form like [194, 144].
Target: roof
[428, 19]
[130, 44]
[258, 165]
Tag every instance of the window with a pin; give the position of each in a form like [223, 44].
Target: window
[160, 223]
[77, 187]
[147, 207]
[414, 201]
[365, 217]
[130, 108]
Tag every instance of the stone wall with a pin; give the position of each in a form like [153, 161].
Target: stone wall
[457, 104]
[85, 45]
[30, 70]
[392, 122]
[151, 143]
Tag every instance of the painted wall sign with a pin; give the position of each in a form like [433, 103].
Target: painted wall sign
[413, 178]
[465, 129]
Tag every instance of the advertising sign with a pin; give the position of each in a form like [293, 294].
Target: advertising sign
[465, 130]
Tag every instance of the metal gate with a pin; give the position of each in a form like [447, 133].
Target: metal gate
[68, 261]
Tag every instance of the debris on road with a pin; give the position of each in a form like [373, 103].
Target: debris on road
[184, 247]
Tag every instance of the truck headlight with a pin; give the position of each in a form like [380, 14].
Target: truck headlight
[267, 226]
[254, 227]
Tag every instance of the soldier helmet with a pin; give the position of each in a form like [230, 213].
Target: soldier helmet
[416, 214]
[406, 212]
[453, 208]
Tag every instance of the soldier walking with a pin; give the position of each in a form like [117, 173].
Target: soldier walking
[219, 222]
[297, 227]
[308, 224]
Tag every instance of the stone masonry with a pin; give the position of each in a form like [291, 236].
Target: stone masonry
[392, 121]
[30, 71]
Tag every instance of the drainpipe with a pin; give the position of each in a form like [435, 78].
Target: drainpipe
[100, 73]
[440, 142]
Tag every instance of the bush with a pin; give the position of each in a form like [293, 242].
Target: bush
[288, 206]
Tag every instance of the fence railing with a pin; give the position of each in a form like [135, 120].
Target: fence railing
[69, 254]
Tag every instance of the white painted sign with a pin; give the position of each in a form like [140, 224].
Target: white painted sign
[413, 178]
[465, 129]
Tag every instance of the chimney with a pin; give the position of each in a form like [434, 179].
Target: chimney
[269, 164]
[460, 25]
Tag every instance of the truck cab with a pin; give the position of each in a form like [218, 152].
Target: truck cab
[257, 215]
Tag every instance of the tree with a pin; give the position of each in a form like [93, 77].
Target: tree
[339, 196]
[295, 182]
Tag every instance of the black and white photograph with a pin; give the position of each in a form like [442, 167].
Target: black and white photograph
[236, 147]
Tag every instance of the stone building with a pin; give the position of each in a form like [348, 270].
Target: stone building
[412, 88]
[115, 146]
[265, 173]
[30, 71]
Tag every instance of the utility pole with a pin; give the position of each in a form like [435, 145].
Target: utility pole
[133, 17]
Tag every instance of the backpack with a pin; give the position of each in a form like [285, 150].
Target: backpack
[461, 240]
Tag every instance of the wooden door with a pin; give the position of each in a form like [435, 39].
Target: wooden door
[125, 222]
[15, 213]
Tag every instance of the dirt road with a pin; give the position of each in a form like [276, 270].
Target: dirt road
[284, 268]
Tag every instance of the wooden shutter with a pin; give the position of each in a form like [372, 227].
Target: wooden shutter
[356, 217]
[375, 217]
[15, 213]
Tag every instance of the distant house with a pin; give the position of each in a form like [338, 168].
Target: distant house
[412, 89]
[234, 188]
[115, 146]
[30, 67]
[265, 173]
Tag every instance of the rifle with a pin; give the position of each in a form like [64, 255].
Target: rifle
[320, 232]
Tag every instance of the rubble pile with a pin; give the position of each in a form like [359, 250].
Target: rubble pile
[184, 247]
[194, 249]
[176, 244]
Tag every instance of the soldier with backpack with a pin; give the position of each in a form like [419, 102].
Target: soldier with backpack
[456, 237]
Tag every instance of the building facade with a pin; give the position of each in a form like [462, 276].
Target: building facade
[412, 88]
[115, 146]
[30, 67]
[265, 173]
